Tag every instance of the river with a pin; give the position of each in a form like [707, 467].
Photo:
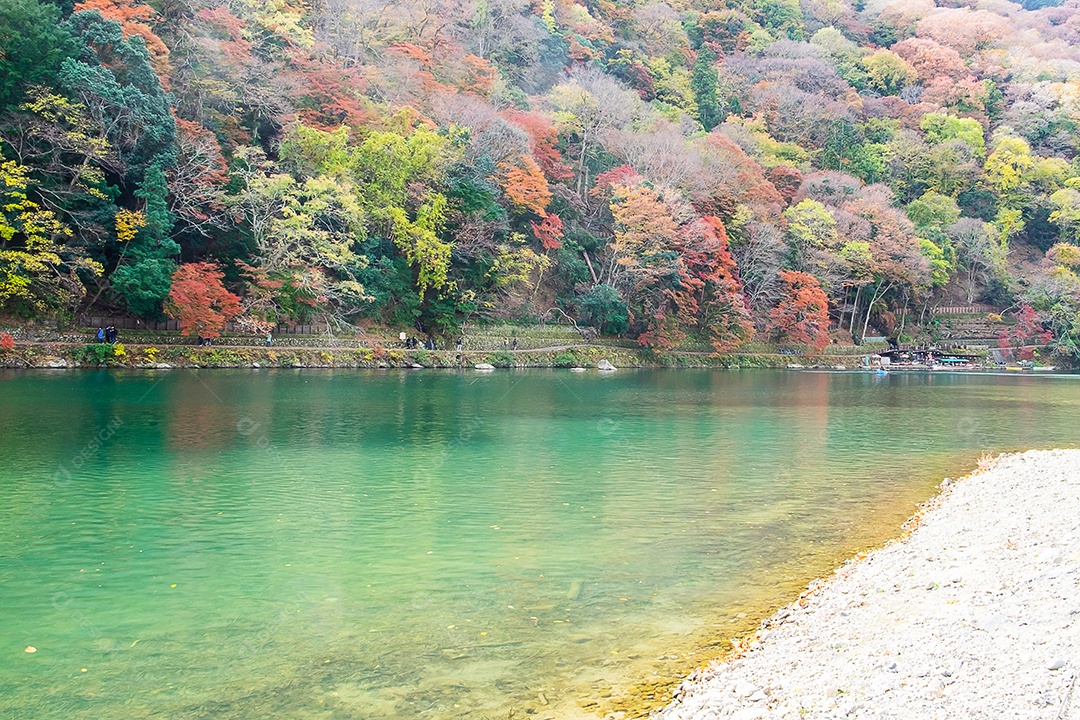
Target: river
[425, 544]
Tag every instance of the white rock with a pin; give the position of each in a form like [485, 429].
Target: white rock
[605, 365]
[745, 689]
[483, 366]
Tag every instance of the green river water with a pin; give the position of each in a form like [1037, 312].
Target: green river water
[397, 545]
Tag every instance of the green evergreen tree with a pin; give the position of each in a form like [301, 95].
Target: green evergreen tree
[113, 77]
[144, 278]
[33, 43]
[705, 81]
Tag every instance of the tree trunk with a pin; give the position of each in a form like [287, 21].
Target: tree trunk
[903, 320]
[870, 306]
[581, 160]
[854, 311]
[588, 262]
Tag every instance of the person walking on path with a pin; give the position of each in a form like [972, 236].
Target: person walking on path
[101, 335]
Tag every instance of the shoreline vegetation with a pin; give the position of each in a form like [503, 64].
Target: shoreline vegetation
[357, 355]
[67, 355]
[503, 346]
[970, 612]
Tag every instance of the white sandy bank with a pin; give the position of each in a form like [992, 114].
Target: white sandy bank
[976, 614]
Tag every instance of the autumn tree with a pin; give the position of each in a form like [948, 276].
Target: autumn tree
[38, 273]
[199, 300]
[982, 255]
[525, 185]
[802, 315]
[811, 231]
[1066, 213]
[644, 229]
[305, 234]
[1009, 171]
[888, 72]
[587, 106]
[710, 293]
[1027, 330]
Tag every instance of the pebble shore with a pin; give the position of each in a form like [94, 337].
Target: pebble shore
[974, 614]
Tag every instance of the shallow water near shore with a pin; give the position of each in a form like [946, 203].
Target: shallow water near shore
[365, 544]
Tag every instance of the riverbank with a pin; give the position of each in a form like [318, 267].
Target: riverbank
[974, 614]
[352, 354]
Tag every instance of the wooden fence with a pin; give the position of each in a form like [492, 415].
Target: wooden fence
[965, 310]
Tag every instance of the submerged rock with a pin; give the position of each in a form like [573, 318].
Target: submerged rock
[576, 588]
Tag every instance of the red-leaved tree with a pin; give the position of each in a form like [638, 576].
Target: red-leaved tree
[549, 231]
[199, 301]
[712, 276]
[543, 143]
[1027, 331]
[802, 317]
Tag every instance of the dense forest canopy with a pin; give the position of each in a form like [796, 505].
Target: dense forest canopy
[706, 169]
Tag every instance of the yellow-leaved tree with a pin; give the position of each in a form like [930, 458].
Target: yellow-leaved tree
[38, 273]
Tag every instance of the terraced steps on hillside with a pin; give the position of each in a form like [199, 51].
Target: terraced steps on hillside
[977, 329]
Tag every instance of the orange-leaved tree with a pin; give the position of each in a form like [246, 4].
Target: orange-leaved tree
[802, 316]
[199, 301]
[525, 185]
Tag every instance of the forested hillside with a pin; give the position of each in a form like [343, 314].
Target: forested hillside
[693, 169]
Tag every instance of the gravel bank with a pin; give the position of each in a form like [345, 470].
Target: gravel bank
[975, 614]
